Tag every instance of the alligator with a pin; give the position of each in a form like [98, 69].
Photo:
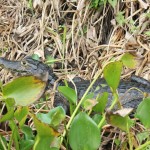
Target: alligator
[131, 92]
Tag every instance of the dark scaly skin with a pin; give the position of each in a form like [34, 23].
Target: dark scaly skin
[132, 98]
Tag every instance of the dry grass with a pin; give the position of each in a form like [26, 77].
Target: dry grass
[81, 37]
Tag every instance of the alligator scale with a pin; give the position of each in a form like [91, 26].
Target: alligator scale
[131, 92]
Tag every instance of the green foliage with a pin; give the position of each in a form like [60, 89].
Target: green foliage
[120, 18]
[143, 136]
[97, 3]
[69, 93]
[147, 33]
[3, 143]
[129, 61]
[24, 90]
[113, 3]
[116, 120]
[9, 115]
[54, 117]
[84, 133]
[102, 101]
[112, 73]
[35, 57]
[143, 112]
[84, 129]
[27, 142]
[21, 115]
[45, 135]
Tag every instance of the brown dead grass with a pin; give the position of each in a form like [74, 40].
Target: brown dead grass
[83, 39]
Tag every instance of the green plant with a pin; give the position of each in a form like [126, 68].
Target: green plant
[83, 131]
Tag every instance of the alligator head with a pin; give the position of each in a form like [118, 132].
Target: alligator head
[29, 66]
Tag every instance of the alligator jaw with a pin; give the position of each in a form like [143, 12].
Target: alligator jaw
[25, 67]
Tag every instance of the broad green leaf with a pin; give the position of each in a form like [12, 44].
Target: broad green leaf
[143, 112]
[44, 129]
[120, 18]
[25, 90]
[28, 134]
[28, 140]
[112, 73]
[43, 143]
[102, 101]
[54, 117]
[69, 93]
[21, 114]
[84, 133]
[9, 115]
[124, 123]
[26, 144]
[129, 61]
[45, 135]
[113, 3]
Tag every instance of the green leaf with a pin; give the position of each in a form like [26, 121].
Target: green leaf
[102, 101]
[25, 90]
[84, 133]
[43, 143]
[97, 3]
[3, 143]
[21, 115]
[143, 136]
[120, 18]
[143, 112]
[54, 117]
[35, 57]
[26, 144]
[124, 123]
[28, 134]
[44, 129]
[129, 61]
[113, 3]
[28, 140]
[45, 135]
[69, 93]
[9, 115]
[147, 33]
[112, 73]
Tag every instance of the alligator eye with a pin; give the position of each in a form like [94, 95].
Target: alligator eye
[24, 63]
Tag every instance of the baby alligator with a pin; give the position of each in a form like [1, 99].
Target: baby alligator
[131, 92]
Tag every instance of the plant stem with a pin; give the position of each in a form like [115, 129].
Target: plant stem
[129, 137]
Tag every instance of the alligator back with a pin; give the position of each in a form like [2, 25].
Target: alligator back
[130, 92]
